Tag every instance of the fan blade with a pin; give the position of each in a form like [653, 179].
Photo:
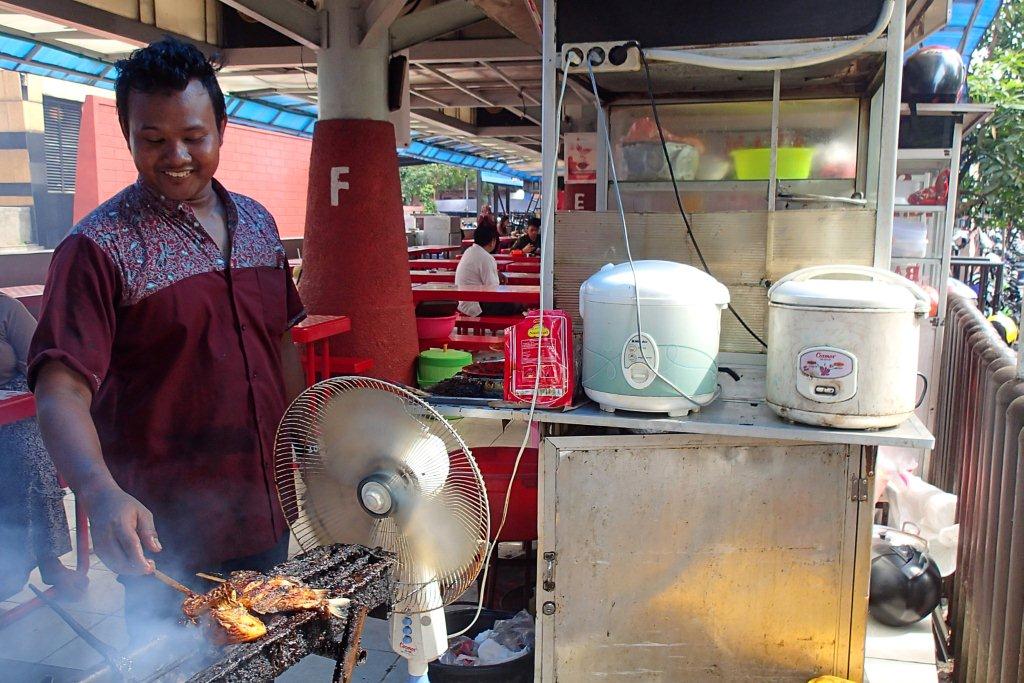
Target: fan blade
[335, 514]
[441, 541]
[364, 431]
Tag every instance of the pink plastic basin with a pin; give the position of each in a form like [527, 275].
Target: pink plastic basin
[435, 328]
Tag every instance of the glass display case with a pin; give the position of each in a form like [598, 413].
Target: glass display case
[721, 152]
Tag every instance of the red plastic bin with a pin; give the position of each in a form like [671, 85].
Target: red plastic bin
[495, 463]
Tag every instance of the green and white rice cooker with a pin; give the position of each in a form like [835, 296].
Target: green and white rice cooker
[673, 357]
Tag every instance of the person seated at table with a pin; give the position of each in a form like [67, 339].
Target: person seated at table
[504, 229]
[488, 223]
[33, 524]
[478, 267]
[529, 243]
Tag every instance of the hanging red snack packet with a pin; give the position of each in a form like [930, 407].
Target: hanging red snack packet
[552, 341]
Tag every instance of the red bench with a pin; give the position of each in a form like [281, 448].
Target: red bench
[465, 342]
[486, 322]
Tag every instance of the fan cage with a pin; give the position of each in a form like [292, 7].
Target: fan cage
[297, 458]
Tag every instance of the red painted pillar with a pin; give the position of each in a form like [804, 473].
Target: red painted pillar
[354, 257]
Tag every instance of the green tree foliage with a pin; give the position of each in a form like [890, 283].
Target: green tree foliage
[992, 159]
[425, 181]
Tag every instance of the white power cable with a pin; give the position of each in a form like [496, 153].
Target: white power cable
[547, 219]
[796, 61]
[632, 267]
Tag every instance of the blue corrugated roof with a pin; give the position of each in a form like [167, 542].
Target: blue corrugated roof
[277, 112]
[965, 21]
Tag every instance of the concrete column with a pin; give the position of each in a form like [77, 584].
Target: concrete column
[355, 261]
[352, 79]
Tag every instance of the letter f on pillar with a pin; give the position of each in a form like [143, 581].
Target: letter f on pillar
[337, 183]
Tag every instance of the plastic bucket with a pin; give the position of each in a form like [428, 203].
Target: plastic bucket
[435, 328]
[495, 463]
[518, 670]
[437, 365]
[792, 163]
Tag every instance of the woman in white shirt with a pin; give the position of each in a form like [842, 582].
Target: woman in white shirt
[478, 267]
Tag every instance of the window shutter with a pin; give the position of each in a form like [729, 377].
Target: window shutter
[61, 122]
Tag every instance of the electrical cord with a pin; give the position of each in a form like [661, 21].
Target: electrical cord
[632, 267]
[675, 189]
[809, 58]
[547, 219]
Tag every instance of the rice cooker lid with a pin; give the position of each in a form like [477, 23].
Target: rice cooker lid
[852, 294]
[661, 283]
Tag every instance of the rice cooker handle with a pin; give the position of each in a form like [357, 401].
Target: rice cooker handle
[924, 302]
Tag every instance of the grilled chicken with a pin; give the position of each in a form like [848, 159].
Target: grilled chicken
[229, 622]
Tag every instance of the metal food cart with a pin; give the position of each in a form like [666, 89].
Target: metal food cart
[727, 545]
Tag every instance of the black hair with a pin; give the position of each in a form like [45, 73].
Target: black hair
[486, 231]
[533, 222]
[166, 66]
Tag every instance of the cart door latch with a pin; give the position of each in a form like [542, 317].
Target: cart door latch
[548, 580]
[859, 489]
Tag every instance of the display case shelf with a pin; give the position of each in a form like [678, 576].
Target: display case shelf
[919, 208]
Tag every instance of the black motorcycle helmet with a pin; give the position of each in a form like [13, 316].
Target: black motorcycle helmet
[933, 74]
[905, 584]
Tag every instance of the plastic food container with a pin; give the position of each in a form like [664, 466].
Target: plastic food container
[646, 160]
[793, 163]
[435, 328]
[436, 365]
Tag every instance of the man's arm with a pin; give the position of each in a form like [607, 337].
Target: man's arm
[294, 378]
[121, 526]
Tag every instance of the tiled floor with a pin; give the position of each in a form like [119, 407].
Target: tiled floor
[41, 637]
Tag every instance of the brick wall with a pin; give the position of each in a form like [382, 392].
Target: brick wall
[272, 168]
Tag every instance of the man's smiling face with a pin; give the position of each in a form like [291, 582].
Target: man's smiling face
[174, 139]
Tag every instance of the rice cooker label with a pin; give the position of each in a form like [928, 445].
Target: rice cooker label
[826, 363]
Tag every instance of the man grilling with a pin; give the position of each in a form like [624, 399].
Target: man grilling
[163, 360]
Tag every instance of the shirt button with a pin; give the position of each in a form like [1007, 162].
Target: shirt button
[252, 374]
[244, 328]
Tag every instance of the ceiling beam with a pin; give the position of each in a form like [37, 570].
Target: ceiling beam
[429, 99]
[515, 17]
[508, 131]
[433, 22]
[501, 74]
[377, 19]
[288, 17]
[521, 112]
[286, 56]
[98, 22]
[492, 49]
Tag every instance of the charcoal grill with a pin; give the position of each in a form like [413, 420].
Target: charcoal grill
[356, 572]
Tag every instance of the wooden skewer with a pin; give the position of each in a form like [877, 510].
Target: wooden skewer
[171, 582]
[211, 577]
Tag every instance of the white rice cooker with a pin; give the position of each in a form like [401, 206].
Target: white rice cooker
[843, 352]
[672, 358]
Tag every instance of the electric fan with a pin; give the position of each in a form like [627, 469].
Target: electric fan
[360, 460]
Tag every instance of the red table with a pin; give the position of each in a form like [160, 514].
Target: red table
[516, 294]
[429, 249]
[523, 266]
[433, 264]
[16, 406]
[502, 241]
[314, 333]
[420, 276]
[30, 295]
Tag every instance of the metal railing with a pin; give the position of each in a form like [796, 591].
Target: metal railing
[979, 441]
[983, 273]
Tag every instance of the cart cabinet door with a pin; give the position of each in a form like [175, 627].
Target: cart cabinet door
[690, 558]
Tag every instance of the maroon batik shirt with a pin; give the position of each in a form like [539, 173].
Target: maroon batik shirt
[182, 352]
